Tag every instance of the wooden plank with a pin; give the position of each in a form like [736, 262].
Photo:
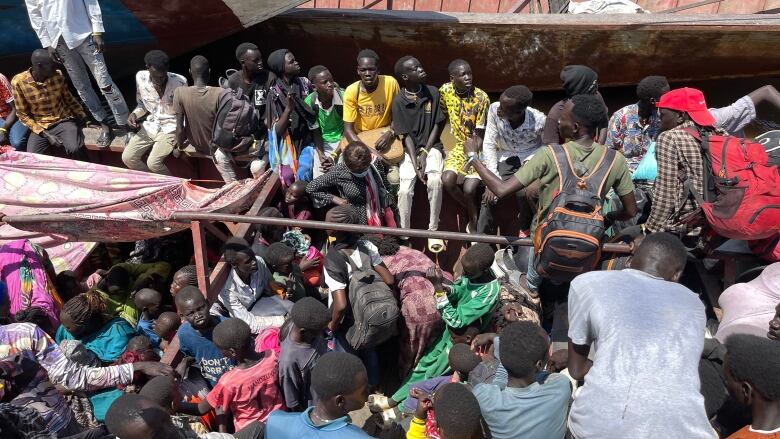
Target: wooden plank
[489, 6]
[771, 4]
[742, 7]
[657, 5]
[711, 8]
[216, 232]
[428, 5]
[455, 6]
[351, 4]
[219, 274]
[375, 4]
[403, 5]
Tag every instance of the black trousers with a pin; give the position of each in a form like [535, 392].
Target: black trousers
[71, 136]
[526, 200]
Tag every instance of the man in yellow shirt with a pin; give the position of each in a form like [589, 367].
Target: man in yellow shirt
[367, 102]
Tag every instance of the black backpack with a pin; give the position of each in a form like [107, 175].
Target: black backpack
[568, 239]
[236, 121]
[374, 307]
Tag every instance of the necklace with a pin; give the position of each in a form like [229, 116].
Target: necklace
[320, 419]
[462, 95]
[414, 95]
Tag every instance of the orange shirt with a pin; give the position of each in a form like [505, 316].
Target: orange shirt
[748, 433]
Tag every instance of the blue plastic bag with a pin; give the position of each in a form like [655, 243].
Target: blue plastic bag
[648, 167]
[306, 164]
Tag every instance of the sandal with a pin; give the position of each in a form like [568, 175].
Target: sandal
[104, 140]
[378, 403]
[436, 245]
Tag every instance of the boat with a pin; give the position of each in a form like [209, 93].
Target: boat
[502, 39]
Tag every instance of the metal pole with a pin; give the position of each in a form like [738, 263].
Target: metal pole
[321, 225]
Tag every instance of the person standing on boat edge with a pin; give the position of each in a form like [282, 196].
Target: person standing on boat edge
[46, 106]
[367, 107]
[577, 80]
[513, 135]
[418, 120]
[466, 107]
[579, 120]
[72, 32]
[12, 131]
[327, 102]
[155, 88]
[293, 133]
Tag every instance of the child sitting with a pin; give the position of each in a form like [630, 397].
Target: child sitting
[308, 258]
[165, 391]
[147, 302]
[287, 280]
[751, 367]
[520, 403]
[165, 328]
[457, 415]
[466, 307]
[296, 204]
[303, 345]
[195, 334]
[139, 348]
[462, 361]
[250, 391]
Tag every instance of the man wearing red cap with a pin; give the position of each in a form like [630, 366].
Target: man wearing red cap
[678, 154]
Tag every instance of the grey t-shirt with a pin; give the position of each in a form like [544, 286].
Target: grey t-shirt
[296, 361]
[536, 411]
[648, 334]
[734, 118]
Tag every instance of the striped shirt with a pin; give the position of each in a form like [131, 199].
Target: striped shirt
[42, 104]
[29, 341]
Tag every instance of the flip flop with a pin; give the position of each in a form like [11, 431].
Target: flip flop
[436, 245]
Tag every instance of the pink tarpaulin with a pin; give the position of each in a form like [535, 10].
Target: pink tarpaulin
[117, 204]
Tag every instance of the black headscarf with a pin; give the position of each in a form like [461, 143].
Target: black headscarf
[579, 80]
[302, 115]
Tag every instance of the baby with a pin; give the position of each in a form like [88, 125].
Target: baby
[165, 327]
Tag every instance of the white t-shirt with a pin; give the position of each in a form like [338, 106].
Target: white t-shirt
[337, 279]
[648, 334]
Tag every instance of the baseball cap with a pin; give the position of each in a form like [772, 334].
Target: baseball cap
[690, 101]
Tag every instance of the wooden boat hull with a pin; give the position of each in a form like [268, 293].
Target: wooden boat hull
[508, 49]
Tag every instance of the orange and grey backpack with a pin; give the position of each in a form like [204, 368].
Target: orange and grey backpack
[568, 239]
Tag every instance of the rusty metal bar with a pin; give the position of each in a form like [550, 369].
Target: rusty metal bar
[689, 6]
[357, 228]
[201, 261]
[323, 225]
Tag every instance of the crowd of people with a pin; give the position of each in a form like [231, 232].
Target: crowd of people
[310, 327]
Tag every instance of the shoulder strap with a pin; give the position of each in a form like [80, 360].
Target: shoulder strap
[364, 258]
[566, 177]
[598, 176]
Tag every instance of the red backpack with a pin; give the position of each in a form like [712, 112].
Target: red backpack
[741, 198]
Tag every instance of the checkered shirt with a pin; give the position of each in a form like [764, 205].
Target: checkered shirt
[678, 154]
[42, 104]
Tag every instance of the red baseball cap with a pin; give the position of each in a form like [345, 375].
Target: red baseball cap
[688, 100]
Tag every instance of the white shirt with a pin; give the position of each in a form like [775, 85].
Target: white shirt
[73, 20]
[502, 141]
[162, 116]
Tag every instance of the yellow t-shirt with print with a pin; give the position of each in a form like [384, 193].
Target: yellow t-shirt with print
[466, 115]
[369, 111]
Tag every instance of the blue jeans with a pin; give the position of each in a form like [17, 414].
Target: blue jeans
[533, 278]
[17, 135]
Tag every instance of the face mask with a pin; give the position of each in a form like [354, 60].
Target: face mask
[359, 175]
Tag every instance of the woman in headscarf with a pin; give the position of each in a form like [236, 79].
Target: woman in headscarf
[577, 80]
[292, 125]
